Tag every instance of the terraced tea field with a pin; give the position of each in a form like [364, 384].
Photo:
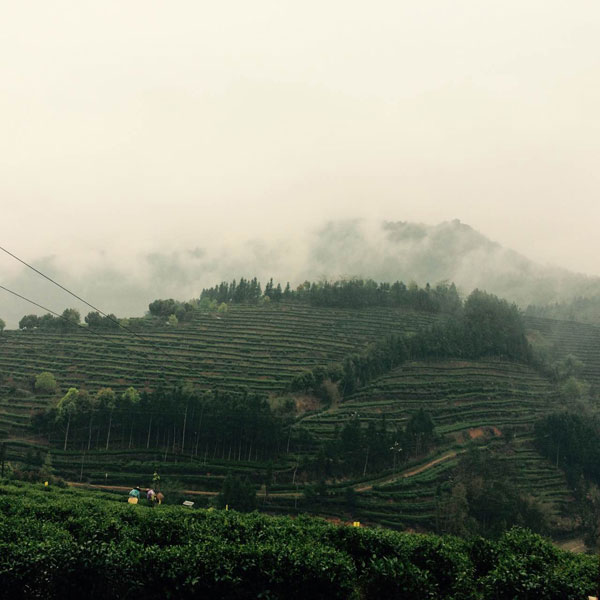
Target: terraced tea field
[409, 497]
[460, 396]
[469, 400]
[261, 348]
[570, 337]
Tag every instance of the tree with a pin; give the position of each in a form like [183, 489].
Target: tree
[107, 402]
[129, 402]
[420, 431]
[172, 320]
[93, 319]
[2, 325]
[29, 322]
[45, 383]
[237, 493]
[67, 408]
[70, 319]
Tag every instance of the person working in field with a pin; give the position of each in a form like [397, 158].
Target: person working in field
[151, 496]
[134, 495]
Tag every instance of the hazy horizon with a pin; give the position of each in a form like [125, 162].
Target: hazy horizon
[141, 131]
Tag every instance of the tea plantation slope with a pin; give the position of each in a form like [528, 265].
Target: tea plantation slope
[569, 337]
[261, 347]
[487, 401]
[459, 395]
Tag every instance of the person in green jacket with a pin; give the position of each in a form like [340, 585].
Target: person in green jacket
[135, 493]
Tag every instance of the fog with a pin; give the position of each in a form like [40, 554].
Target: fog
[151, 149]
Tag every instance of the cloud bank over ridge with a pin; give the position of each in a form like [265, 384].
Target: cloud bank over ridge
[384, 251]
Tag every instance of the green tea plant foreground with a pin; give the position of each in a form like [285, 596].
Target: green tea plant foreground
[58, 543]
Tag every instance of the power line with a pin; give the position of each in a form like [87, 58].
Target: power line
[47, 309]
[110, 318]
[87, 329]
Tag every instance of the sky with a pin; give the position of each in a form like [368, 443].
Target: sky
[135, 129]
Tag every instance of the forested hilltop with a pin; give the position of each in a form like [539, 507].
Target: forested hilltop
[582, 309]
[392, 404]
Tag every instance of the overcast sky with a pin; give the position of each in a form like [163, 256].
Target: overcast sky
[132, 127]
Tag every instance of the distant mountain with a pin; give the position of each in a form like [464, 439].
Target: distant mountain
[383, 251]
[449, 251]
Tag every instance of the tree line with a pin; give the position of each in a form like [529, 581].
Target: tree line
[356, 450]
[570, 440]
[214, 424]
[70, 320]
[346, 293]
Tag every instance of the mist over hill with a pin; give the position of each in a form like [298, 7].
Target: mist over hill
[383, 251]
[449, 251]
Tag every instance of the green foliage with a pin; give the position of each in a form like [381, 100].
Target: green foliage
[484, 500]
[70, 319]
[29, 322]
[582, 309]
[237, 494]
[346, 293]
[65, 543]
[182, 311]
[574, 389]
[45, 383]
[2, 325]
[96, 321]
[571, 441]
[488, 326]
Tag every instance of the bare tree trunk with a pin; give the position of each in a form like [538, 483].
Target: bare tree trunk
[149, 429]
[183, 432]
[67, 432]
[90, 433]
[109, 426]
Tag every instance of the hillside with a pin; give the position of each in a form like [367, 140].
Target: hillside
[487, 401]
[261, 348]
[310, 462]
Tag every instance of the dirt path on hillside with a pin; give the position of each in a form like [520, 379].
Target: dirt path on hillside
[361, 488]
[34, 441]
[126, 488]
[576, 545]
[409, 473]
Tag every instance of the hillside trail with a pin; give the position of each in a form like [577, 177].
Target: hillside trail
[30, 440]
[361, 488]
[576, 545]
[126, 488]
[409, 472]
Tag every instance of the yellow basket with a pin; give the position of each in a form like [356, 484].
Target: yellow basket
[132, 500]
